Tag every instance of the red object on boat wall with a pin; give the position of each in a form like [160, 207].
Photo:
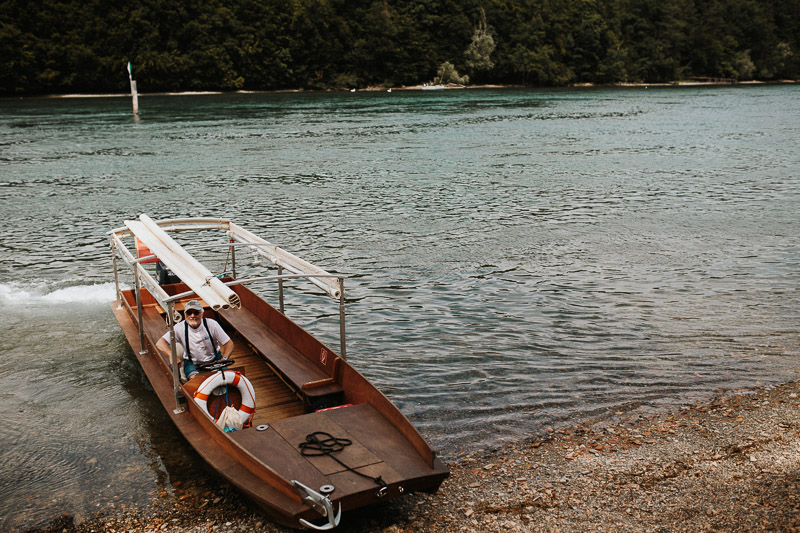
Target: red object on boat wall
[144, 251]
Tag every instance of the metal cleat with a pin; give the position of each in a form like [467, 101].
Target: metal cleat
[321, 504]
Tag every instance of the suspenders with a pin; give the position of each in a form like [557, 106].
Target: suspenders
[188, 354]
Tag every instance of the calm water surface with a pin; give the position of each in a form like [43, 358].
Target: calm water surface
[519, 259]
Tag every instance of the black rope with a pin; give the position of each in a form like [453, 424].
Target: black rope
[320, 443]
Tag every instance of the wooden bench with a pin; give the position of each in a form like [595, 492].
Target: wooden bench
[308, 379]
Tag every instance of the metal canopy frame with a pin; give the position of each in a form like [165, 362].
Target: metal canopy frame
[332, 284]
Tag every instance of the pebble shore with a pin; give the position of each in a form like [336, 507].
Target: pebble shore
[731, 464]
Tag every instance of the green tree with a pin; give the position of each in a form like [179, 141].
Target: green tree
[478, 56]
[658, 36]
[389, 48]
[447, 73]
[51, 46]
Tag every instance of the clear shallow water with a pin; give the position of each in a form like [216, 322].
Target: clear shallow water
[519, 259]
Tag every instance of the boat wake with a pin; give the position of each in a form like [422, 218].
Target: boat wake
[33, 293]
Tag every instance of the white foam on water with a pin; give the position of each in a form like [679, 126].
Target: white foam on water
[42, 293]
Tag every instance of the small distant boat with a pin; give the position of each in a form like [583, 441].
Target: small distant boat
[427, 87]
[317, 438]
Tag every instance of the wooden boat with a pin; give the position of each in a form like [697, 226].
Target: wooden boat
[321, 438]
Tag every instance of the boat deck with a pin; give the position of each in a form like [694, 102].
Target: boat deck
[375, 447]
[275, 400]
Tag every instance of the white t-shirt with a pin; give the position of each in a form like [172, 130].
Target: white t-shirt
[199, 343]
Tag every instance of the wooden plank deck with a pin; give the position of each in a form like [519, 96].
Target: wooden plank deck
[274, 399]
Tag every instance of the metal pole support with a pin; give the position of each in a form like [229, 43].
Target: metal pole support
[342, 343]
[176, 382]
[116, 273]
[233, 259]
[280, 290]
[142, 349]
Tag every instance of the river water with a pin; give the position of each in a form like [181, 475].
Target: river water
[518, 259]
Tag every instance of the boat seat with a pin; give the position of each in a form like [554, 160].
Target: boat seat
[306, 378]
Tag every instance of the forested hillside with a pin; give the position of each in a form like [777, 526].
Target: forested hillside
[56, 46]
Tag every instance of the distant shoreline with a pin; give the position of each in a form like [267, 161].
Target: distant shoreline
[688, 83]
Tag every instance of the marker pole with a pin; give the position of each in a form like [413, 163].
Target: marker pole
[134, 93]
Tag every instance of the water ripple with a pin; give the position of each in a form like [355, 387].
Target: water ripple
[518, 259]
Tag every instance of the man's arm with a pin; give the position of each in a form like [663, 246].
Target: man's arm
[227, 349]
[163, 346]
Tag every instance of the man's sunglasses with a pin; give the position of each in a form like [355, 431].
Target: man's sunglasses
[192, 312]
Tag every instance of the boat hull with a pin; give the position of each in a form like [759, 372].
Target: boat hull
[261, 464]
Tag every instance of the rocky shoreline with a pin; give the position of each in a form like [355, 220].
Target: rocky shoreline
[731, 464]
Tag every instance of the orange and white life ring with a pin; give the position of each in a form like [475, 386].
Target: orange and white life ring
[228, 377]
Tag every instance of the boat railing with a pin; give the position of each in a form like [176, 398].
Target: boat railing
[141, 277]
[287, 261]
[331, 284]
[243, 281]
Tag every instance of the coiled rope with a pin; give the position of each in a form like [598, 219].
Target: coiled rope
[321, 443]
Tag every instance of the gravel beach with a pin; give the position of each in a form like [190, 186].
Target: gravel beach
[731, 464]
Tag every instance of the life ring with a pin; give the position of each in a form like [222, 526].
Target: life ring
[228, 377]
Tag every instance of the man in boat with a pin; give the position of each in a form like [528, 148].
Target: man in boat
[204, 337]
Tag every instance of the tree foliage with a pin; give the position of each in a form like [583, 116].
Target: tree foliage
[447, 73]
[56, 46]
[478, 56]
